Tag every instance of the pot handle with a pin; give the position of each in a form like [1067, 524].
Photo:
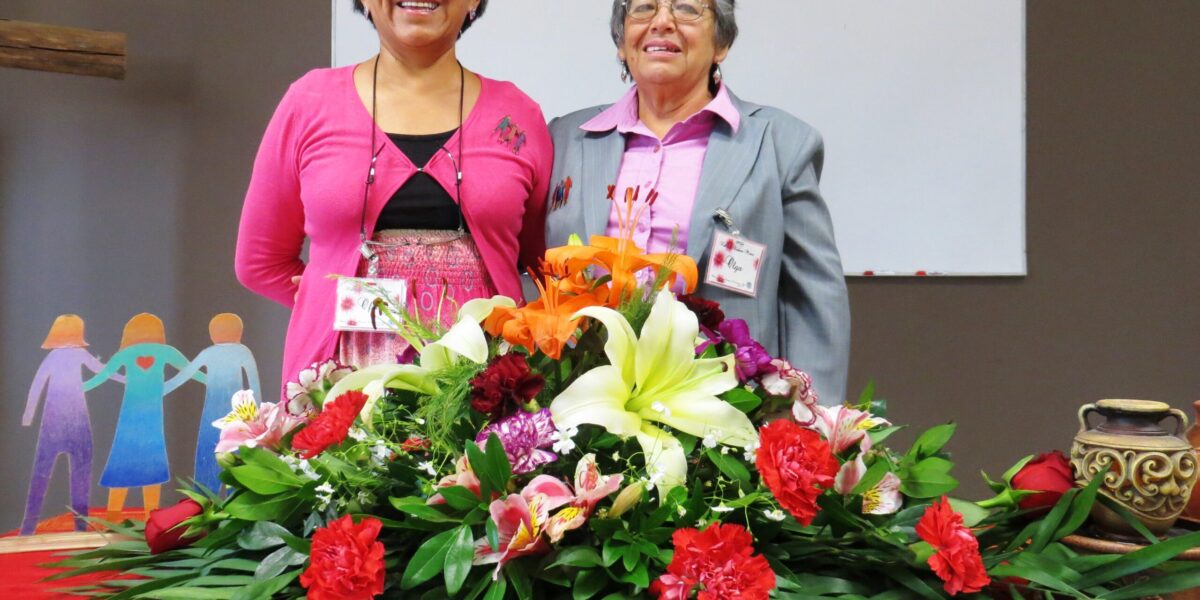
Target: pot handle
[1083, 414]
[1182, 419]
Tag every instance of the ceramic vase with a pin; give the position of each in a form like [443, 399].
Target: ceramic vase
[1146, 468]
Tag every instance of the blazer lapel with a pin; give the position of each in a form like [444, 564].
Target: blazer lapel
[602, 152]
[727, 164]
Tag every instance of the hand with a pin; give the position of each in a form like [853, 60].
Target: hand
[296, 280]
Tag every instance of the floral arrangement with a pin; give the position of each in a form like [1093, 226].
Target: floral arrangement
[607, 440]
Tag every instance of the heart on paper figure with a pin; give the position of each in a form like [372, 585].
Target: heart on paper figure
[145, 362]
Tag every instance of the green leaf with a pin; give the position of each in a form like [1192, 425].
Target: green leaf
[742, 399]
[459, 497]
[266, 459]
[1048, 525]
[1081, 507]
[262, 480]
[576, 556]
[972, 513]
[497, 466]
[874, 475]
[416, 507]
[730, 466]
[429, 560]
[497, 590]
[493, 534]
[277, 562]
[1013, 470]
[263, 590]
[249, 506]
[929, 478]
[458, 559]
[1140, 560]
[877, 437]
[867, 395]
[932, 441]
[191, 593]
[906, 578]
[1159, 585]
[521, 584]
[263, 535]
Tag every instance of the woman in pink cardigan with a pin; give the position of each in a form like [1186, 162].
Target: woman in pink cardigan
[406, 166]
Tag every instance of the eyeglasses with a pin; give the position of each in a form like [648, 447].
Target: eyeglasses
[681, 10]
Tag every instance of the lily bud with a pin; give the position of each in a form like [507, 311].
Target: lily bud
[226, 460]
[627, 499]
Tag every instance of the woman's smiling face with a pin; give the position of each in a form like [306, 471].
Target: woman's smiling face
[663, 51]
[417, 23]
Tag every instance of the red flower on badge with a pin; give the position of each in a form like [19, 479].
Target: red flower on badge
[729, 244]
[347, 304]
[719, 259]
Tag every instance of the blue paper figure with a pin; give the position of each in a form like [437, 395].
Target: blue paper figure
[138, 457]
[66, 426]
[225, 362]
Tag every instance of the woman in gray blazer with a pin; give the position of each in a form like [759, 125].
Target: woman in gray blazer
[722, 167]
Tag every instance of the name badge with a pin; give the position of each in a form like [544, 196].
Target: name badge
[356, 300]
[734, 263]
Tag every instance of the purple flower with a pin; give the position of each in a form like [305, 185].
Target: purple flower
[524, 435]
[751, 357]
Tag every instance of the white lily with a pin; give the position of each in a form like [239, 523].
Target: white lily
[659, 371]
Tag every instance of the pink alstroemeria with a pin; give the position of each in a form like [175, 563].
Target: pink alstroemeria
[521, 522]
[249, 424]
[463, 476]
[884, 497]
[590, 488]
[843, 426]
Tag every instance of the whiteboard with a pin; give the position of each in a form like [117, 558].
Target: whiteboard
[921, 104]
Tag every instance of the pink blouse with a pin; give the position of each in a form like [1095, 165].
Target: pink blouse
[671, 166]
[308, 183]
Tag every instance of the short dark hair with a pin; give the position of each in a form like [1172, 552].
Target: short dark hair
[358, 8]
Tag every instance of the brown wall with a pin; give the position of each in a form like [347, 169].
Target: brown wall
[117, 197]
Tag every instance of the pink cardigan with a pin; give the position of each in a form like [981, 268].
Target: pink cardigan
[308, 180]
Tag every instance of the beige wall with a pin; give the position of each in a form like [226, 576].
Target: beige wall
[118, 197]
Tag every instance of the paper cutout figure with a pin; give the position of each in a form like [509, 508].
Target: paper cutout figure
[138, 457]
[225, 362]
[66, 425]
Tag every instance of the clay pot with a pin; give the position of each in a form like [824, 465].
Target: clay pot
[1193, 437]
[1150, 471]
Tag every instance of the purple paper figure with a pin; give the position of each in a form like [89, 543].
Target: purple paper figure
[66, 425]
[225, 362]
[138, 457]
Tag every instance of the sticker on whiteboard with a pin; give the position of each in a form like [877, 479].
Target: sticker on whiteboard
[734, 264]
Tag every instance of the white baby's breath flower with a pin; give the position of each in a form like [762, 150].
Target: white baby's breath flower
[380, 453]
[420, 421]
[774, 515]
[661, 409]
[721, 508]
[364, 497]
[751, 452]
[357, 434]
[724, 449]
[681, 510]
[324, 496]
[563, 439]
[428, 468]
[710, 439]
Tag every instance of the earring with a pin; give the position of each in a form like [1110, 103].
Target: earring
[717, 75]
[472, 14]
[624, 73]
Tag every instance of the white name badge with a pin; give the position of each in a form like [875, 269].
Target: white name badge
[356, 297]
[734, 263]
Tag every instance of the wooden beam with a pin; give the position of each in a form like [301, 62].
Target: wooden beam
[57, 541]
[40, 47]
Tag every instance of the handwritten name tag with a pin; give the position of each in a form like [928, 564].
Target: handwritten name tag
[356, 296]
[734, 264]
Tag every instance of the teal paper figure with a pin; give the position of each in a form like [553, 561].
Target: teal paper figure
[66, 425]
[138, 457]
[226, 362]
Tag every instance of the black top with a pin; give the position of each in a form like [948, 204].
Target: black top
[421, 203]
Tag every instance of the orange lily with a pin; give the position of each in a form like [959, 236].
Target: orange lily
[620, 256]
[545, 324]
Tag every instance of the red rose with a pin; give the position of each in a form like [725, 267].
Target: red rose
[796, 465]
[956, 558]
[1049, 474]
[345, 562]
[330, 426]
[708, 312]
[162, 533]
[719, 559]
[504, 386]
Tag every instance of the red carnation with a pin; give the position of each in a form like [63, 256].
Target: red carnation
[708, 312]
[1050, 475]
[329, 427]
[956, 558]
[719, 560]
[345, 562]
[796, 465]
[504, 386]
[162, 526]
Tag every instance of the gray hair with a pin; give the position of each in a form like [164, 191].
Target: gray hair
[727, 28]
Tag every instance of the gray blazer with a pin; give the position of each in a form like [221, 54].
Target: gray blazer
[766, 176]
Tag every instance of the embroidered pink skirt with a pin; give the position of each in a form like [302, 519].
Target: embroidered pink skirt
[441, 275]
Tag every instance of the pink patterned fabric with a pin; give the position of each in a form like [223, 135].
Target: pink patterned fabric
[441, 275]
